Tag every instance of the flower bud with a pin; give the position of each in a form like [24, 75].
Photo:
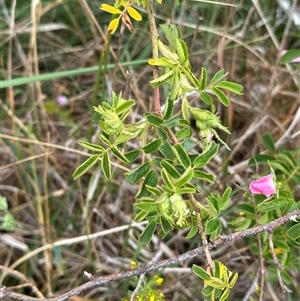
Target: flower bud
[179, 208]
[264, 185]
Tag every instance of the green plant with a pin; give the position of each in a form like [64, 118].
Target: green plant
[170, 168]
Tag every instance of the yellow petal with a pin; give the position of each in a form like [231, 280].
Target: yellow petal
[113, 25]
[123, 3]
[110, 9]
[133, 13]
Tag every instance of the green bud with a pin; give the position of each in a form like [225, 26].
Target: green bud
[164, 207]
[111, 123]
[179, 209]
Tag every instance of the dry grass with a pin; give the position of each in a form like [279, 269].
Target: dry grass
[39, 149]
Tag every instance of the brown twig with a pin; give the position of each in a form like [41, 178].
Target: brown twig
[95, 281]
[154, 36]
[201, 230]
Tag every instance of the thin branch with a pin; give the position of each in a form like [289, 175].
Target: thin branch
[277, 263]
[154, 36]
[138, 287]
[252, 287]
[95, 281]
[201, 230]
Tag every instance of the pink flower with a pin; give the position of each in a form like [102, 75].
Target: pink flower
[62, 100]
[264, 185]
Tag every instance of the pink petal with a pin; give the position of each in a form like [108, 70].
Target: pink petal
[264, 185]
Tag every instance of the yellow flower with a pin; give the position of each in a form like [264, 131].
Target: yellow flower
[133, 13]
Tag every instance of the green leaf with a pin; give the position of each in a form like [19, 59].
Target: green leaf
[221, 96]
[166, 179]
[271, 205]
[233, 280]
[182, 51]
[170, 55]
[294, 232]
[241, 223]
[201, 272]
[170, 169]
[161, 79]
[217, 77]
[167, 150]
[281, 166]
[185, 108]
[85, 166]
[169, 108]
[131, 156]
[162, 134]
[201, 175]
[207, 291]
[206, 98]
[146, 206]
[119, 155]
[205, 157]
[203, 79]
[151, 180]
[183, 133]
[153, 119]
[166, 225]
[246, 208]
[225, 295]
[289, 56]
[126, 136]
[182, 155]
[175, 86]
[185, 177]
[224, 202]
[172, 34]
[171, 122]
[213, 225]
[125, 106]
[106, 166]
[147, 234]
[91, 146]
[185, 82]
[161, 62]
[152, 146]
[141, 216]
[213, 205]
[230, 86]
[193, 231]
[135, 175]
[268, 142]
[187, 189]
[260, 160]
[286, 157]
[153, 190]
[104, 139]
[216, 283]
[188, 144]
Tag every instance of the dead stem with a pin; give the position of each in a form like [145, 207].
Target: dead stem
[154, 36]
